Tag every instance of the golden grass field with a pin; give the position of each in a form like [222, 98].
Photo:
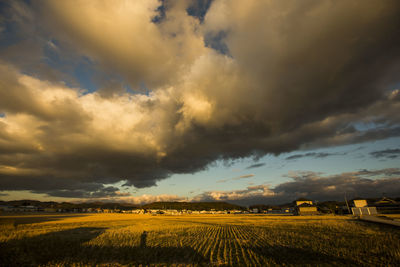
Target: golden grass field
[238, 240]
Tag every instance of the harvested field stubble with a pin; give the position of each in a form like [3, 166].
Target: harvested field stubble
[127, 239]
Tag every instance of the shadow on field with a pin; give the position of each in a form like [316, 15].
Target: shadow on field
[17, 220]
[67, 247]
[41, 249]
[298, 256]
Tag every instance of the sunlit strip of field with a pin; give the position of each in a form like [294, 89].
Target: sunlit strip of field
[129, 239]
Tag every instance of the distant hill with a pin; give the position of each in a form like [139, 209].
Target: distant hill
[108, 205]
[193, 206]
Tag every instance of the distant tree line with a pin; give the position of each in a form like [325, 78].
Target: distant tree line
[126, 206]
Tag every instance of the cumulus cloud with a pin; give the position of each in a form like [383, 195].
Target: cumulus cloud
[252, 193]
[315, 186]
[291, 75]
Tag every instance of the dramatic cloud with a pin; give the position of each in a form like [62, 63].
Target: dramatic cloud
[247, 78]
[315, 186]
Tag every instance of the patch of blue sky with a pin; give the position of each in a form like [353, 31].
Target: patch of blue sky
[128, 89]
[196, 9]
[345, 158]
[144, 89]
[83, 74]
[199, 9]
[365, 126]
[389, 143]
[8, 33]
[82, 70]
[217, 42]
[189, 185]
[141, 89]
[161, 13]
[79, 70]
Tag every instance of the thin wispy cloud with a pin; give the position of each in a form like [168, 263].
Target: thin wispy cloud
[257, 165]
[386, 153]
[314, 155]
[245, 176]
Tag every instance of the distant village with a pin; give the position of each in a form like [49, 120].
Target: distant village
[298, 207]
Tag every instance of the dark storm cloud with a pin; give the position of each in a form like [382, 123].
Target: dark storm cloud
[105, 192]
[298, 80]
[58, 187]
[314, 186]
[387, 153]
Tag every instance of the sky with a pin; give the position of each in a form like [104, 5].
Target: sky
[249, 102]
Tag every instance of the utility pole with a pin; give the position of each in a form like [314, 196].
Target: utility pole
[347, 204]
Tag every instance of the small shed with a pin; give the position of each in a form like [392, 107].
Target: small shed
[360, 203]
[361, 208]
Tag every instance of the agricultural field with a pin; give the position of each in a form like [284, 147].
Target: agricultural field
[203, 240]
